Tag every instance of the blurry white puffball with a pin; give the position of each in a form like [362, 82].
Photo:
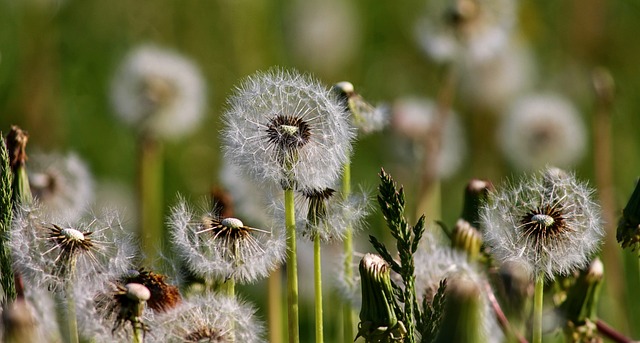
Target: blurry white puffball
[324, 34]
[471, 29]
[542, 129]
[159, 92]
[493, 83]
[414, 118]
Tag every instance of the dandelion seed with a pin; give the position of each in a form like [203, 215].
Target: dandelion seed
[548, 222]
[158, 92]
[62, 184]
[225, 248]
[209, 318]
[475, 29]
[542, 129]
[284, 127]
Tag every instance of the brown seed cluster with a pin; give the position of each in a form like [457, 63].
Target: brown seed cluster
[206, 334]
[164, 296]
[288, 133]
[544, 225]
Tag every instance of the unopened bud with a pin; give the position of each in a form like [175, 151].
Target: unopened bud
[466, 238]
[628, 233]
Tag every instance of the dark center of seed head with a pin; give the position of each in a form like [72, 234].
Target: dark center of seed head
[544, 224]
[288, 132]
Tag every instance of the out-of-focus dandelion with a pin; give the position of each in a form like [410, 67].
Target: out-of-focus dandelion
[414, 118]
[364, 116]
[221, 249]
[209, 318]
[159, 92]
[436, 262]
[542, 129]
[489, 86]
[61, 184]
[284, 127]
[323, 35]
[549, 223]
[474, 29]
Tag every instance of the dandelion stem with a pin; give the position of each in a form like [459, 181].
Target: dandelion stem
[274, 288]
[537, 309]
[231, 288]
[292, 266]
[138, 333]
[347, 311]
[71, 312]
[317, 266]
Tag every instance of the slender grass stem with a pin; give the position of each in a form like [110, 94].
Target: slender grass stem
[292, 267]
[274, 289]
[317, 266]
[347, 311]
[537, 309]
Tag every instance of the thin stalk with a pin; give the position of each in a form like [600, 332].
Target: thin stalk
[72, 323]
[292, 267]
[231, 288]
[317, 267]
[274, 290]
[611, 333]
[347, 311]
[150, 193]
[138, 333]
[537, 309]
[6, 213]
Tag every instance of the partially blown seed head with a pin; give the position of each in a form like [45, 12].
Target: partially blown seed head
[548, 222]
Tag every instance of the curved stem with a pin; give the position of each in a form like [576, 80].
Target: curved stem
[292, 267]
[611, 333]
[537, 309]
[317, 267]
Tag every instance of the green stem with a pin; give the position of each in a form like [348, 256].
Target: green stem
[274, 289]
[292, 267]
[71, 312]
[138, 333]
[317, 267]
[150, 197]
[537, 309]
[347, 311]
[231, 288]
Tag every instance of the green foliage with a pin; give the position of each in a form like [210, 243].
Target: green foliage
[392, 204]
[6, 208]
[429, 323]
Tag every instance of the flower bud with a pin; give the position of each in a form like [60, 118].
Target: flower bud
[466, 238]
[461, 321]
[629, 225]
[378, 321]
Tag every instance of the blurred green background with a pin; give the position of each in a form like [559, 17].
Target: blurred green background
[57, 59]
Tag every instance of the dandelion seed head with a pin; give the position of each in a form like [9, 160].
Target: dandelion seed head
[474, 29]
[285, 128]
[217, 249]
[163, 295]
[209, 318]
[547, 222]
[542, 129]
[415, 118]
[61, 183]
[159, 92]
[48, 251]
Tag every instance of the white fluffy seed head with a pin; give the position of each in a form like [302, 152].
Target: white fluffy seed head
[46, 261]
[254, 139]
[159, 92]
[542, 129]
[208, 318]
[476, 30]
[414, 118]
[216, 256]
[546, 221]
[61, 183]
